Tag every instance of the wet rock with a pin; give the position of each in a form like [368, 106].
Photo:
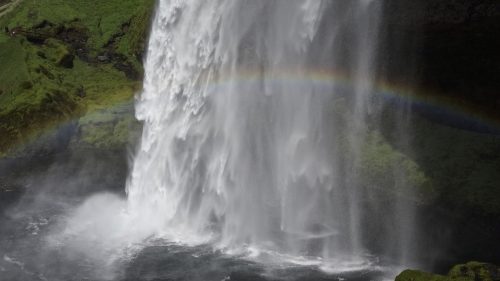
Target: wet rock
[128, 69]
[76, 35]
[35, 39]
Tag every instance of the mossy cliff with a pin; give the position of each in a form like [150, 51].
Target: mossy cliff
[62, 60]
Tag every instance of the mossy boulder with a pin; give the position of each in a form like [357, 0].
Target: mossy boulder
[475, 271]
[471, 271]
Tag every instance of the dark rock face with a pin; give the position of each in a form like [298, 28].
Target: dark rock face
[448, 51]
[449, 47]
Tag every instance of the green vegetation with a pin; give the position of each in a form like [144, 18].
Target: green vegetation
[67, 59]
[383, 168]
[102, 19]
[415, 275]
[390, 171]
[463, 165]
[471, 271]
[109, 129]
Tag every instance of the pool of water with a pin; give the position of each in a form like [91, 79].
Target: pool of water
[30, 252]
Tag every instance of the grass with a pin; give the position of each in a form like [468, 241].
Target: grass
[44, 83]
[103, 19]
[14, 70]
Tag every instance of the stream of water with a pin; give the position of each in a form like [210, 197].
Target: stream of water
[251, 140]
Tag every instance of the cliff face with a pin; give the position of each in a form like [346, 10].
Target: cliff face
[450, 50]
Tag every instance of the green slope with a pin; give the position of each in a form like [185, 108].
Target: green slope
[67, 58]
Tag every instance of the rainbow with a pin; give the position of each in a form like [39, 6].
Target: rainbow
[427, 101]
[328, 79]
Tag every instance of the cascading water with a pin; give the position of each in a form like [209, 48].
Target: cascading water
[251, 137]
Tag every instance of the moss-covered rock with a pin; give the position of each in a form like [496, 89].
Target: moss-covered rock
[476, 271]
[415, 275]
[471, 271]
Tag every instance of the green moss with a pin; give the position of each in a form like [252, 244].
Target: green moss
[53, 50]
[14, 70]
[133, 42]
[30, 13]
[110, 128]
[471, 271]
[476, 271]
[462, 164]
[415, 275]
[59, 77]
[104, 86]
[103, 18]
[388, 170]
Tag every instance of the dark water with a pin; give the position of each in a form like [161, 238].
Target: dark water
[201, 263]
[44, 197]
[26, 256]
[38, 196]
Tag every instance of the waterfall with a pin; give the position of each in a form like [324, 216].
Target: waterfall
[255, 114]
